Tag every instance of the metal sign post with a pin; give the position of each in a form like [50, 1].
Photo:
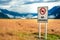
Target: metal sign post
[42, 18]
[39, 29]
[46, 31]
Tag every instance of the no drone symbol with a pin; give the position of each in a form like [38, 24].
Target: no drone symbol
[42, 11]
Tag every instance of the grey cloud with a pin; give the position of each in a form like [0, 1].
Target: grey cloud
[5, 2]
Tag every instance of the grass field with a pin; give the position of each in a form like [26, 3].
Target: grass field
[27, 29]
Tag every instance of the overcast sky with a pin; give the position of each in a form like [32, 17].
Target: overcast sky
[7, 2]
[20, 6]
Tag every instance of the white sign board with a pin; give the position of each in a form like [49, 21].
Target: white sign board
[43, 14]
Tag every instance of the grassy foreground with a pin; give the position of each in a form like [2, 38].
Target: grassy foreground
[35, 36]
[50, 36]
[53, 37]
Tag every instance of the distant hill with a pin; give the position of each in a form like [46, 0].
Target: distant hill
[16, 14]
[55, 11]
[5, 11]
[10, 13]
[3, 15]
[52, 13]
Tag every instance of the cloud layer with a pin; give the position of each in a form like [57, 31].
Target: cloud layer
[20, 6]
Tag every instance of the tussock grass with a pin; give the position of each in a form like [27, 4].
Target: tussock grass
[49, 37]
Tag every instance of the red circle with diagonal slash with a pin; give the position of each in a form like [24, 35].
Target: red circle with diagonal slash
[42, 11]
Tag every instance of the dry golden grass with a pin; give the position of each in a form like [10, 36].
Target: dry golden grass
[21, 29]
